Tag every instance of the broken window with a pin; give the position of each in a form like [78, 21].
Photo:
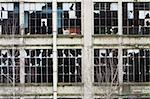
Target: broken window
[135, 98]
[9, 60]
[69, 65]
[38, 66]
[105, 98]
[105, 18]
[105, 65]
[10, 97]
[9, 18]
[38, 18]
[48, 98]
[37, 97]
[136, 65]
[136, 18]
[69, 18]
[69, 98]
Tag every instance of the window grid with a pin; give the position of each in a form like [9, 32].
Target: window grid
[105, 18]
[9, 16]
[38, 18]
[136, 18]
[136, 65]
[36, 97]
[38, 66]
[69, 65]
[105, 98]
[69, 18]
[105, 65]
[8, 60]
[10, 98]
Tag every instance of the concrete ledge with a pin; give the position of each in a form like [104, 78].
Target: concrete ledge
[39, 40]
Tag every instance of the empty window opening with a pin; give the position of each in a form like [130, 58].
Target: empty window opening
[38, 66]
[105, 65]
[136, 65]
[69, 18]
[9, 18]
[9, 59]
[69, 65]
[136, 18]
[38, 18]
[105, 18]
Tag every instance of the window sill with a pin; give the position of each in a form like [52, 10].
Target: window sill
[116, 35]
[124, 84]
[70, 84]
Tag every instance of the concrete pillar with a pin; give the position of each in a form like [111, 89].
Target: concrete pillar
[55, 79]
[21, 17]
[22, 63]
[120, 40]
[87, 30]
[120, 31]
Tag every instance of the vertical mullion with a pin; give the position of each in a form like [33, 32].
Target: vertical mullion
[148, 67]
[29, 19]
[139, 65]
[63, 74]
[105, 21]
[99, 65]
[99, 19]
[128, 70]
[63, 70]
[40, 65]
[46, 17]
[0, 66]
[35, 18]
[29, 67]
[35, 67]
[74, 66]
[69, 65]
[6, 71]
[46, 66]
[7, 74]
[62, 19]
[106, 65]
[31, 74]
[128, 66]
[133, 67]
[144, 68]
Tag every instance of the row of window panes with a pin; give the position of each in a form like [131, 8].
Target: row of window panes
[125, 98]
[38, 65]
[68, 14]
[136, 65]
[38, 18]
[136, 18]
[71, 98]
[36, 97]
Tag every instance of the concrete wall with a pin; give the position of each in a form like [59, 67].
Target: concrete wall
[87, 41]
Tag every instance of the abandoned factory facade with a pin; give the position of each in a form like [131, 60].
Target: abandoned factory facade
[74, 49]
